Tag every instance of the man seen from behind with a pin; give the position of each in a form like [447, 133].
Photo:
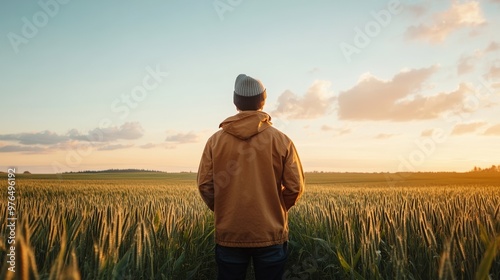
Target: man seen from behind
[250, 175]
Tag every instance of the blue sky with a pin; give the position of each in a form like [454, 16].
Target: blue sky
[365, 86]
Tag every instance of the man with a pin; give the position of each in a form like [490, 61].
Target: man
[250, 175]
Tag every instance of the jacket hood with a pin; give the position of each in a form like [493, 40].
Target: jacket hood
[246, 124]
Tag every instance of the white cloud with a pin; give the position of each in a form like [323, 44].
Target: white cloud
[33, 138]
[382, 136]
[427, 133]
[494, 46]
[182, 138]
[465, 128]
[114, 147]
[465, 65]
[467, 62]
[148, 146]
[21, 148]
[326, 128]
[493, 130]
[398, 99]
[316, 103]
[99, 137]
[441, 25]
[313, 70]
[493, 72]
[127, 131]
[417, 10]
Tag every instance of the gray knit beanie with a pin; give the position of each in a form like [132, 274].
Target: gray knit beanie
[248, 86]
[249, 93]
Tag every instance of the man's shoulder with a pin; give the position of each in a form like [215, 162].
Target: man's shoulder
[216, 134]
[278, 134]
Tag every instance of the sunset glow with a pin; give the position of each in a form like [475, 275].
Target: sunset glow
[368, 86]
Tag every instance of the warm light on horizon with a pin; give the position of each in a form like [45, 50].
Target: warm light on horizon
[388, 86]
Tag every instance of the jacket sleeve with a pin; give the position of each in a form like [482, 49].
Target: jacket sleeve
[205, 177]
[293, 178]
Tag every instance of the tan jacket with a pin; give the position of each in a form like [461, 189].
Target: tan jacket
[250, 175]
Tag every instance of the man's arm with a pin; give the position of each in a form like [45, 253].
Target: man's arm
[205, 177]
[293, 178]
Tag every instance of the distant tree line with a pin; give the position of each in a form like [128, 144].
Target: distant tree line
[113, 171]
[493, 168]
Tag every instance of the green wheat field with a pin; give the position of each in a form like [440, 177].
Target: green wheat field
[147, 225]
